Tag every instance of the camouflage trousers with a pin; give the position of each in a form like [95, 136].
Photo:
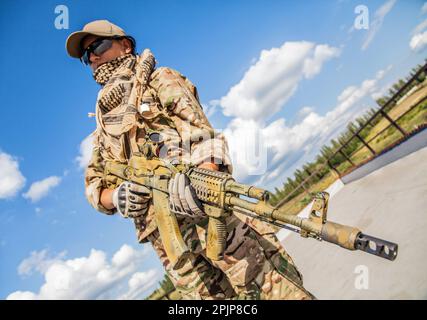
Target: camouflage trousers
[255, 265]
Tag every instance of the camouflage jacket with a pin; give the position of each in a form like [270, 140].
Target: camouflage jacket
[170, 105]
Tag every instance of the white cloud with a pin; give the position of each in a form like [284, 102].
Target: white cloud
[377, 22]
[11, 179]
[304, 111]
[287, 144]
[274, 78]
[139, 283]
[22, 295]
[91, 277]
[419, 36]
[424, 8]
[420, 27]
[382, 91]
[322, 53]
[247, 150]
[124, 256]
[37, 261]
[264, 89]
[40, 189]
[418, 41]
[86, 147]
[210, 108]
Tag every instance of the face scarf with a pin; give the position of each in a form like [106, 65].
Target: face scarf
[114, 94]
[103, 73]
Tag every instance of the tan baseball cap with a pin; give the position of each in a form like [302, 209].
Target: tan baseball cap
[103, 28]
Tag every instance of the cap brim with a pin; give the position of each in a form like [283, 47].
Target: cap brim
[73, 42]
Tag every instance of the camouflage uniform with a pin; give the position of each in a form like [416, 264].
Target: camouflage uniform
[255, 265]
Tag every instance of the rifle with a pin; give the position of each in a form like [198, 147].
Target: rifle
[220, 195]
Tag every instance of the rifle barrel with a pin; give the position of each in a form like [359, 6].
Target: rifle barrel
[345, 236]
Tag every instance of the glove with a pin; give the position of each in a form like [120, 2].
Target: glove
[131, 200]
[182, 197]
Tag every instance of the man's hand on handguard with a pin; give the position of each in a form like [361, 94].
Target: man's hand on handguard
[131, 200]
[182, 196]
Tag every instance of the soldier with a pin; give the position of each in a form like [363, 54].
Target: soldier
[255, 266]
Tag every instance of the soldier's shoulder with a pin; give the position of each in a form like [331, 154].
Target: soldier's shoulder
[165, 73]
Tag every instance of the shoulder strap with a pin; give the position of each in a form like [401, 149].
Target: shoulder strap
[145, 65]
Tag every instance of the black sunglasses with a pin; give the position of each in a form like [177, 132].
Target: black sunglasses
[97, 47]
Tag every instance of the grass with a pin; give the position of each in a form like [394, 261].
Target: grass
[414, 118]
[398, 110]
[361, 155]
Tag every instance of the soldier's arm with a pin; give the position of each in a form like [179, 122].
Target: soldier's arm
[95, 186]
[209, 166]
[210, 153]
[107, 198]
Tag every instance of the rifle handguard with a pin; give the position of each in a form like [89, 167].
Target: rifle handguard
[211, 187]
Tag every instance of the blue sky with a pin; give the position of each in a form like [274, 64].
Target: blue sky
[294, 72]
